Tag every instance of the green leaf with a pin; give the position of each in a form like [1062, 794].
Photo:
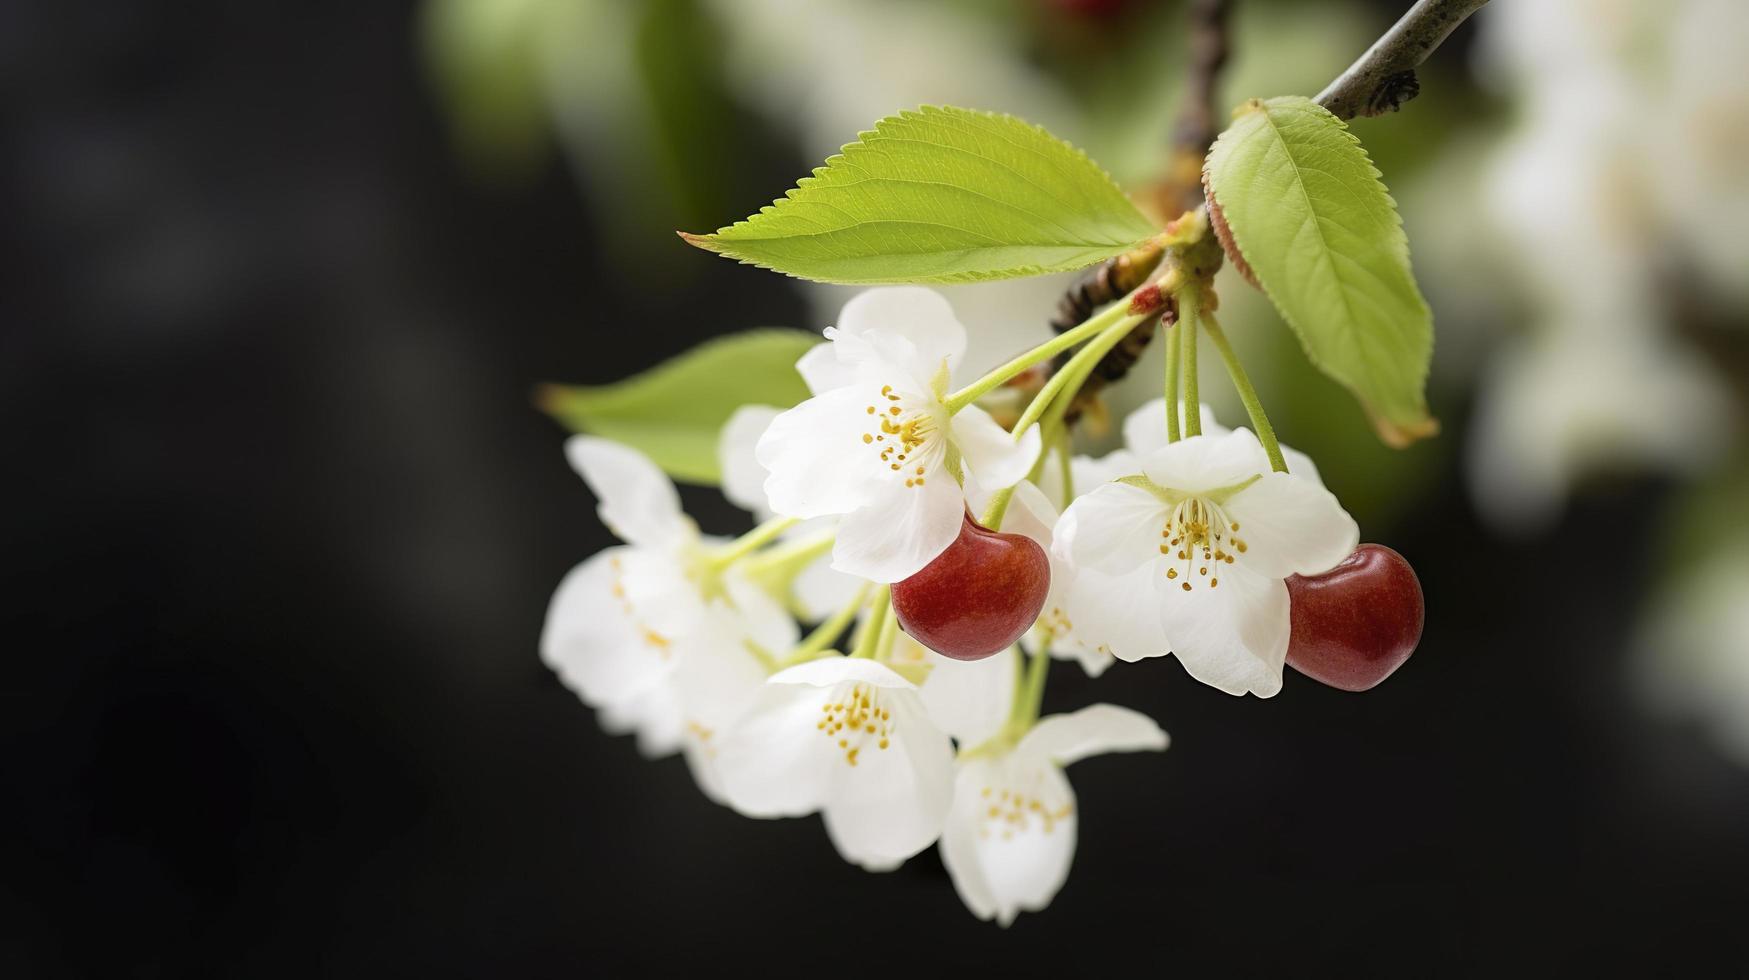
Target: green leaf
[674, 412]
[941, 195]
[1304, 208]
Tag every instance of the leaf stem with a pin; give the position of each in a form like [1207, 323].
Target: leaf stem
[1060, 390]
[1171, 386]
[1048, 406]
[1050, 348]
[1031, 694]
[790, 553]
[872, 627]
[752, 541]
[1189, 307]
[1247, 394]
[889, 631]
[997, 508]
[1065, 461]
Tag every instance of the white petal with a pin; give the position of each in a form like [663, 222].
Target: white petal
[1232, 637]
[992, 454]
[921, 317]
[1144, 430]
[822, 369]
[1115, 528]
[1006, 858]
[891, 802]
[1094, 660]
[959, 838]
[814, 453]
[718, 680]
[900, 530]
[637, 501]
[656, 590]
[829, 671]
[1301, 465]
[1030, 513]
[743, 476]
[1207, 462]
[1089, 472]
[821, 590]
[967, 699]
[1094, 730]
[774, 762]
[758, 616]
[593, 638]
[653, 715]
[1116, 615]
[716, 683]
[1291, 526]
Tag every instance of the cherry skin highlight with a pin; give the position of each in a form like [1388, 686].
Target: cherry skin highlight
[978, 596]
[1358, 622]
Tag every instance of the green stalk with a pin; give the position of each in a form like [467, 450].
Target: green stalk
[889, 632]
[1029, 692]
[871, 627]
[1061, 389]
[1189, 309]
[1031, 695]
[1050, 348]
[1064, 460]
[997, 508]
[750, 542]
[800, 553]
[825, 634]
[1247, 394]
[1048, 406]
[1171, 341]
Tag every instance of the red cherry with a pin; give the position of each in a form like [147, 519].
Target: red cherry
[977, 597]
[1356, 623]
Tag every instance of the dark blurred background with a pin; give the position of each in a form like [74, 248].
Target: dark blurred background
[283, 524]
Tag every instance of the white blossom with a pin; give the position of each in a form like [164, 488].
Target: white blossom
[850, 739]
[1010, 837]
[1197, 550]
[967, 699]
[662, 647]
[876, 444]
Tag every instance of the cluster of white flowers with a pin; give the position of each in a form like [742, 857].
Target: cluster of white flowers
[1619, 170]
[1170, 547]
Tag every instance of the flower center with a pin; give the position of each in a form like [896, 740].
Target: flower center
[652, 640]
[1012, 811]
[1199, 537]
[853, 717]
[900, 431]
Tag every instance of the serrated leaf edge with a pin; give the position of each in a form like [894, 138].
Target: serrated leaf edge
[1393, 433]
[711, 241]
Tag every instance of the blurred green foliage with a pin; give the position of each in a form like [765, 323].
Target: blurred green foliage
[675, 411]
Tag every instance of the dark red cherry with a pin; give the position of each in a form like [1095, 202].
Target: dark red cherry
[1356, 623]
[977, 597]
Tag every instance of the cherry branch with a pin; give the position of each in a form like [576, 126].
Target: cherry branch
[1379, 81]
[1383, 78]
[1198, 120]
[1197, 126]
